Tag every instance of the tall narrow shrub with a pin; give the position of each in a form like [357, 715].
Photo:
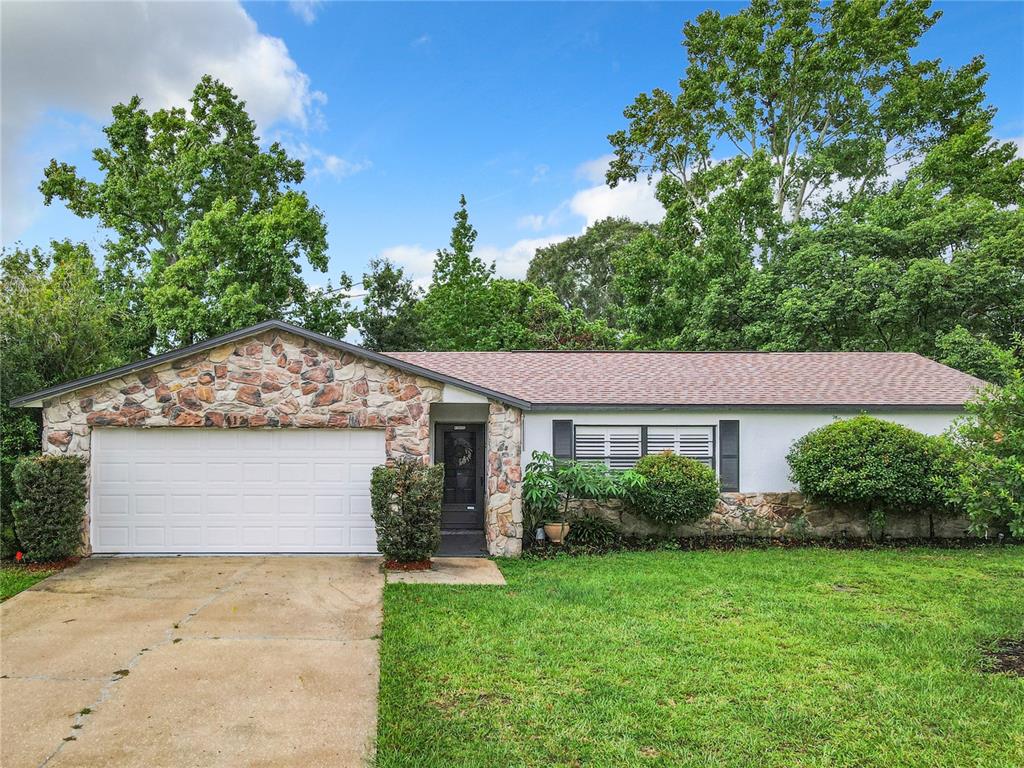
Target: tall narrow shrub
[50, 505]
[406, 502]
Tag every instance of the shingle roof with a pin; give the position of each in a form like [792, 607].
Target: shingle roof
[830, 379]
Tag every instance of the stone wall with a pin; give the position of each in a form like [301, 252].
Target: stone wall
[504, 521]
[775, 515]
[271, 380]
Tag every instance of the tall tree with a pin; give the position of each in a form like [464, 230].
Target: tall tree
[209, 231]
[815, 94]
[579, 270]
[455, 307]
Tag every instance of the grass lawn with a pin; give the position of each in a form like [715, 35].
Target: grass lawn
[14, 579]
[805, 657]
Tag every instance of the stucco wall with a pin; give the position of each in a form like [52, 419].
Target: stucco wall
[765, 436]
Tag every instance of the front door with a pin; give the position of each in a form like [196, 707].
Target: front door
[460, 447]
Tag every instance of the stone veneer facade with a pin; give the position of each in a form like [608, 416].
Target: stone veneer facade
[504, 522]
[777, 515]
[282, 380]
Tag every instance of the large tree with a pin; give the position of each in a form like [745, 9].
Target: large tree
[578, 270]
[209, 231]
[455, 307]
[815, 95]
[388, 319]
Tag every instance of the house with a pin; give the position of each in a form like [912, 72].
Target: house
[262, 440]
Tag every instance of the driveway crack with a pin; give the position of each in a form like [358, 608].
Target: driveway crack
[108, 690]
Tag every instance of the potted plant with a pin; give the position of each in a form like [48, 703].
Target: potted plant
[551, 485]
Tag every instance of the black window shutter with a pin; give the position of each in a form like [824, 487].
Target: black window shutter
[729, 454]
[561, 438]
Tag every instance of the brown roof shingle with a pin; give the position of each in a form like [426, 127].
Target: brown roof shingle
[708, 378]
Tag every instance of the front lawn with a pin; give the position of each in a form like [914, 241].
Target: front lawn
[806, 657]
[17, 578]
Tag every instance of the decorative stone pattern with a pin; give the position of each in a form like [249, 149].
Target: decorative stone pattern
[271, 380]
[775, 515]
[504, 522]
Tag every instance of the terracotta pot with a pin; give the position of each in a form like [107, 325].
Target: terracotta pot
[556, 532]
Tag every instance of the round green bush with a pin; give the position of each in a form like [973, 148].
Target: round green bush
[869, 463]
[50, 505]
[678, 489]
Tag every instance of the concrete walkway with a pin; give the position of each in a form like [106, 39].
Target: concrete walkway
[199, 661]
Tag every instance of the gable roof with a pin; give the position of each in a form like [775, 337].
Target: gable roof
[36, 398]
[548, 380]
[686, 379]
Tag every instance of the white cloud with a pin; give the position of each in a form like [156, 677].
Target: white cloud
[539, 173]
[305, 9]
[594, 170]
[514, 260]
[421, 41]
[416, 261]
[321, 163]
[633, 199]
[82, 58]
[534, 221]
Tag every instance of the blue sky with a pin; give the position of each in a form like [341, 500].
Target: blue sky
[399, 108]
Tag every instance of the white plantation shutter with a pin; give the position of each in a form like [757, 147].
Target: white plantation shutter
[696, 442]
[616, 447]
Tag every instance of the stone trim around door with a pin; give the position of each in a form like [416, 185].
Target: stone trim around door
[504, 521]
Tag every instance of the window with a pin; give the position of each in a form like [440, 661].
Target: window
[617, 447]
[621, 447]
[696, 442]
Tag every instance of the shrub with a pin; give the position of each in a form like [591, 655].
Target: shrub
[868, 463]
[678, 489]
[987, 464]
[50, 505]
[406, 503]
[595, 533]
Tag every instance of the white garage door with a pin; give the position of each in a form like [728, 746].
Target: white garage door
[212, 490]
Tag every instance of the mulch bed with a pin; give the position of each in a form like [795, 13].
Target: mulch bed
[418, 565]
[1008, 657]
[56, 565]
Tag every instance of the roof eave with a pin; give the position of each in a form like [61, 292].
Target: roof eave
[35, 399]
[828, 407]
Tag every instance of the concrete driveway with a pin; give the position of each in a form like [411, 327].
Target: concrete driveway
[193, 661]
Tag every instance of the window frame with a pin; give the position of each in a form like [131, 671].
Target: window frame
[643, 439]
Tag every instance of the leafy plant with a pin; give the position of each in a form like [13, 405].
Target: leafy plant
[678, 489]
[406, 508]
[550, 485]
[50, 505]
[865, 462]
[987, 467]
[595, 533]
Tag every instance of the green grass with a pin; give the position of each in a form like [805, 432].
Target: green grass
[15, 579]
[805, 657]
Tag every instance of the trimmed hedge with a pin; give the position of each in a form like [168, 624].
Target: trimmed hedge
[870, 463]
[406, 502]
[50, 505]
[678, 489]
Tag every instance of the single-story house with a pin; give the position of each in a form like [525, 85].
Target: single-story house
[262, 440]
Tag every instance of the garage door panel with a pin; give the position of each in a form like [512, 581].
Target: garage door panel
[168, 490]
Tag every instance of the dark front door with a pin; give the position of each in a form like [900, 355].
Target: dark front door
[460, 447]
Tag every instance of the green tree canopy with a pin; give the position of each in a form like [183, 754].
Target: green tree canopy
[209, 231]
[55, 325]
[388, 319]
[578, 270]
